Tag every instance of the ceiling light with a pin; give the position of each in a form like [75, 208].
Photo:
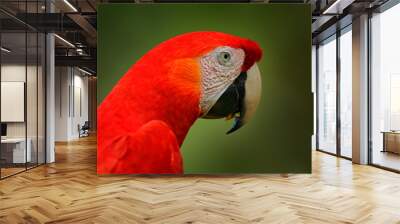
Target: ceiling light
[84, 71]
[70, 5]
[65, 41]
[79, 51]
[5, 50]
[337, 7]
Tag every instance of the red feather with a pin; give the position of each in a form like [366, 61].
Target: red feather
[145, 118]
[156, 139]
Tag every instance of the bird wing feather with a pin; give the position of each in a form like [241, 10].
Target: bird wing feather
[152, 149]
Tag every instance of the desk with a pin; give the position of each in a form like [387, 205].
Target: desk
[391, 141]
[13, 150]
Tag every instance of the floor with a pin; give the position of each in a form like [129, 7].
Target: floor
[10, 171]
[13, 170]
[69, 191]
[387, 159]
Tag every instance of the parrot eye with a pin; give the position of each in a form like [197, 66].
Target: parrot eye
[224, 58]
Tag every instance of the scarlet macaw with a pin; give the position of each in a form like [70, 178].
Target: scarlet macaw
[143, 121]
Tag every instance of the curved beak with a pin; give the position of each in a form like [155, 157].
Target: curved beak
[240, 100]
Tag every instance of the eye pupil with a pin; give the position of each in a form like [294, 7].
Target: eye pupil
[224, 58]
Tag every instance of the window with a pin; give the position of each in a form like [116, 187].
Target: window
[22, 77]
[346, 93]
[385, 88]
[314, 91]
[327, 95]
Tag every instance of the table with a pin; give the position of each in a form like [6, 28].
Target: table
[391, 141]
[13, 150]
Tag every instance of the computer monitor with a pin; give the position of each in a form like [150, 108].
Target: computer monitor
[3, 129]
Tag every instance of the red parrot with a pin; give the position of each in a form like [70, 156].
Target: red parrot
[143, 121]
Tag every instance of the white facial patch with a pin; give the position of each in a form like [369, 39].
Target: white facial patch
[219, 69]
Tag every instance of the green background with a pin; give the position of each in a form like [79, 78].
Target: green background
[278, 138]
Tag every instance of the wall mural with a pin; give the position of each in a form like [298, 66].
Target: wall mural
[179, 69]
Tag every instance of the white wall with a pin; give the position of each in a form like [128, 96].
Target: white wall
[16, 72]
[80, 102]
[50, 94]
[33, 127]
[62, 81]
[71, 102]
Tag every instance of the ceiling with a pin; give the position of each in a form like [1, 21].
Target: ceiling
[75, 22]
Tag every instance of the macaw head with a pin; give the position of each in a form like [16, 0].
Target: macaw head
[231, 81]
[219, 68]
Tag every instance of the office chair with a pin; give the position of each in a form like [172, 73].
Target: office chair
[84, 130]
